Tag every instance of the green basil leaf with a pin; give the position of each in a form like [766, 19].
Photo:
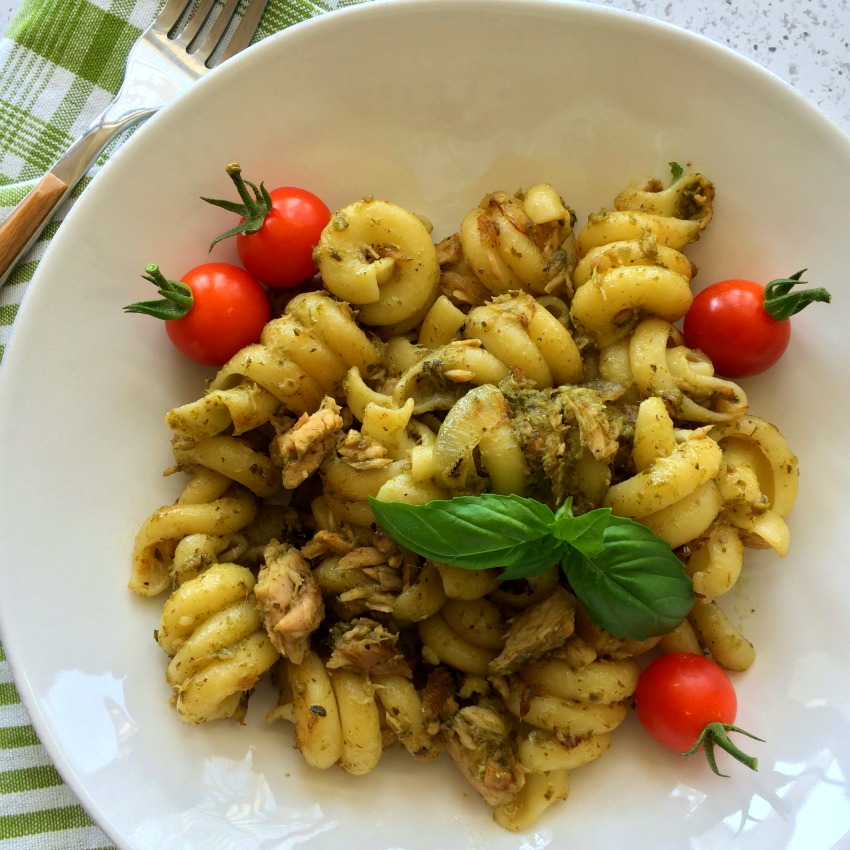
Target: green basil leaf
[476, 532]
[635, 587]
[533, 561]
[585, 532]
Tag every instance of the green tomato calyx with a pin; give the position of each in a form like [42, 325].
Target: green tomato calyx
[781, 303]
[256, 205]
[177, 298]
[717, 734]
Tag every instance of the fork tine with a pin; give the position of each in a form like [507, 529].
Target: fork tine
[170, 14]
[211, 40]
[193, 27]
[245, 31]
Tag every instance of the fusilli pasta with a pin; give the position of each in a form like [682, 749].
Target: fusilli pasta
[518, 355]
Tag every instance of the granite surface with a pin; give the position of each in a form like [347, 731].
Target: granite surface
[806, 43]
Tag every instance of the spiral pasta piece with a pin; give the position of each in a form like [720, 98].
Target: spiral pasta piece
[674, 216]
[721, 637]
[767, 454]
[755, 489]
[628, 253]
[681, 376]
[302, 356]
[520, 242]
[538, 793]
[715, 566]
[574, 719]
[360, 723]
[318, 731]
[437, 379]
[690, 197]
[441, 324]
[688, 518]
[609, 305]
[404, 713]
[600, 681]
[156, 539]
[631, 266]
[347, 490]
[541, 751]
[233, 457]
[448, 646]
[655, 434]
[195, 553]
[526, 336]
[240, 409]
[380, 257]
[211, 628]
[691, 464]
[335, 713]
[478, 621]
[272, 370]
[421, 598]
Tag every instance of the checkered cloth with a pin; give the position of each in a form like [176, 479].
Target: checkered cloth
[61, 62]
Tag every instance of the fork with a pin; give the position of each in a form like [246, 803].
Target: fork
[179, 46]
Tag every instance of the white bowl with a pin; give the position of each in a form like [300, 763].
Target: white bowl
[429, 103]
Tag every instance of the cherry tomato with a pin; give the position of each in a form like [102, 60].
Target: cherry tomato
[215, 310]
[278, 230]
[679, 694]
[686, 702]
[229, 312]
[743, 326]
[280, 253]
[728, 323]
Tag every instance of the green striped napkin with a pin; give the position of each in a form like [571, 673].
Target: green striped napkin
[61, 62]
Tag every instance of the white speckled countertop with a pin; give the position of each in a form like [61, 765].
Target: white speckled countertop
[804, 42]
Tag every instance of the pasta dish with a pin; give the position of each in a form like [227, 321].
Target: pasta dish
[522, 354]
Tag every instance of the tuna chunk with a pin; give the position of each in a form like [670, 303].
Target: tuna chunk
[480, 744]
[302, 449]
[365, 644]
[539, 629]
[290, 600]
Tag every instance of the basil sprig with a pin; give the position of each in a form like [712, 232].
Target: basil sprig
[627, 578]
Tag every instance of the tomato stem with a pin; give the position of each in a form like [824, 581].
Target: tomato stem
[177, 298]
[717, 734]
[781, 303]
[256, 205]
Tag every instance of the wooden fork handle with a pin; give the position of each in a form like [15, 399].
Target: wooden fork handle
[27, 220]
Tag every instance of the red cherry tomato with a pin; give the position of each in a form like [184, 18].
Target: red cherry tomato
[278, 229]
[211, 313]
[728, 323]
[280, 253]
[686, 703]
[742, 326]
[230, 310]
[679, 694]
